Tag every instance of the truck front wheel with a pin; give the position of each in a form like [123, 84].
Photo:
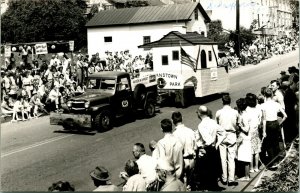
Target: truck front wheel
[149, 109]
[103, 121]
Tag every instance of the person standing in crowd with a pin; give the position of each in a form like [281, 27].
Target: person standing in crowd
[101, 178]
[208, 138]
[277, 93]
[244, 155]
[188, 140]
[165, 173]
[293, 72]
[255, 116]
[227, 118]
[271, 127]
[170, 148]
[290, 100]
[295, 84]
[79, 70]
[135, 182]
[284, 77]
[146, 163]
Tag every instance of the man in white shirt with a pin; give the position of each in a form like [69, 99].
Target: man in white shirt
[170, 148]
[277, 94]
[146, 163]
[227, 118]
[188, 140]
[208, 138]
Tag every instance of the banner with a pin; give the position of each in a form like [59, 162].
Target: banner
[71, 46]
[41, 49]
[213, 73]
[7, 50]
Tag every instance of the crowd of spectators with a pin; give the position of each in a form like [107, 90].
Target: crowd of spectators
[256, 52]
[223, 150]
[29, 89]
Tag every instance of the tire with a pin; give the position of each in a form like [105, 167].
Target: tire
[103, 121]
[139, 93]
[149, 109]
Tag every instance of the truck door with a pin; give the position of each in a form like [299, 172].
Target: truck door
[123, 96]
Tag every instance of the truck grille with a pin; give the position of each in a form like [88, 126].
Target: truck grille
[78, 105]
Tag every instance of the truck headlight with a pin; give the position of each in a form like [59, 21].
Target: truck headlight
[87, 104]
[69, 104]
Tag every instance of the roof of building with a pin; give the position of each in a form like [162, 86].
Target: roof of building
[175, 38]
[148, 14]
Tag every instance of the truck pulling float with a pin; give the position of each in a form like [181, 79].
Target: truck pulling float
[185, 66]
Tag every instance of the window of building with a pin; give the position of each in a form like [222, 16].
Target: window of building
[108, 39]
[209, 56]
[196, 14]
[147, 39]
[175, 55]
[164, 60]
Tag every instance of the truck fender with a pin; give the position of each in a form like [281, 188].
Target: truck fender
[99, 107]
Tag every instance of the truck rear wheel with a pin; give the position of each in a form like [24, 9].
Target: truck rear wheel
[103, 121]
[149, 109]
[139, 92]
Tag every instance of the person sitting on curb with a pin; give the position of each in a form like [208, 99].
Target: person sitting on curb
[101, 179]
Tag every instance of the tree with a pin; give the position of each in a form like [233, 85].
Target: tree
[44, 20]
[93, 11]
[246, 36]
[215, 32]
[119, 4]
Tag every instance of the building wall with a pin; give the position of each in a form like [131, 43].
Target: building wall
[131, 36]
[128, 37]
[270, 13]
[197, 25]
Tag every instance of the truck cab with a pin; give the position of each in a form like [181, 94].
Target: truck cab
[108, 95]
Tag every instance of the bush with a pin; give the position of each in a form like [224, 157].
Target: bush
[286, 178]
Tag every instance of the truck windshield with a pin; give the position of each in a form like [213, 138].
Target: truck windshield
[106, 85]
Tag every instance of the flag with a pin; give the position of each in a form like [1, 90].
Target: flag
[187, 59]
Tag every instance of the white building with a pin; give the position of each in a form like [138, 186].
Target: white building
[121, 29]
[275, 16]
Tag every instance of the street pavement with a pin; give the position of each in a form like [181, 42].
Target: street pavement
[35, 154]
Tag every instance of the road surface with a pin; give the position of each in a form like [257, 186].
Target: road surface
[35, 154]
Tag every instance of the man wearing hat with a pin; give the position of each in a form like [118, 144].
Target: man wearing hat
[101, 178]
[284, 77]
[292, 71]
[165, 172]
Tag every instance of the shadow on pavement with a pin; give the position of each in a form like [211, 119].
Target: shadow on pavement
[78, 132]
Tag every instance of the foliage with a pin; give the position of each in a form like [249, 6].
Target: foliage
[44, 20]
[129, 3]
[286, 179]
[93, 11]
[246, 36]
[215, 32]
[253, 24]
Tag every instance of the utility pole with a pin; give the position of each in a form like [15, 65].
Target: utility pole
[237, 43]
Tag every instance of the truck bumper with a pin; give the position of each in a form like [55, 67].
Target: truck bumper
[75, 120]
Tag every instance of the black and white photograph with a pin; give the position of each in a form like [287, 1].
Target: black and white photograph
[149, 95]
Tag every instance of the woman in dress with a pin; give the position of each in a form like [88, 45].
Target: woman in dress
[255, 115]
[244, 139]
